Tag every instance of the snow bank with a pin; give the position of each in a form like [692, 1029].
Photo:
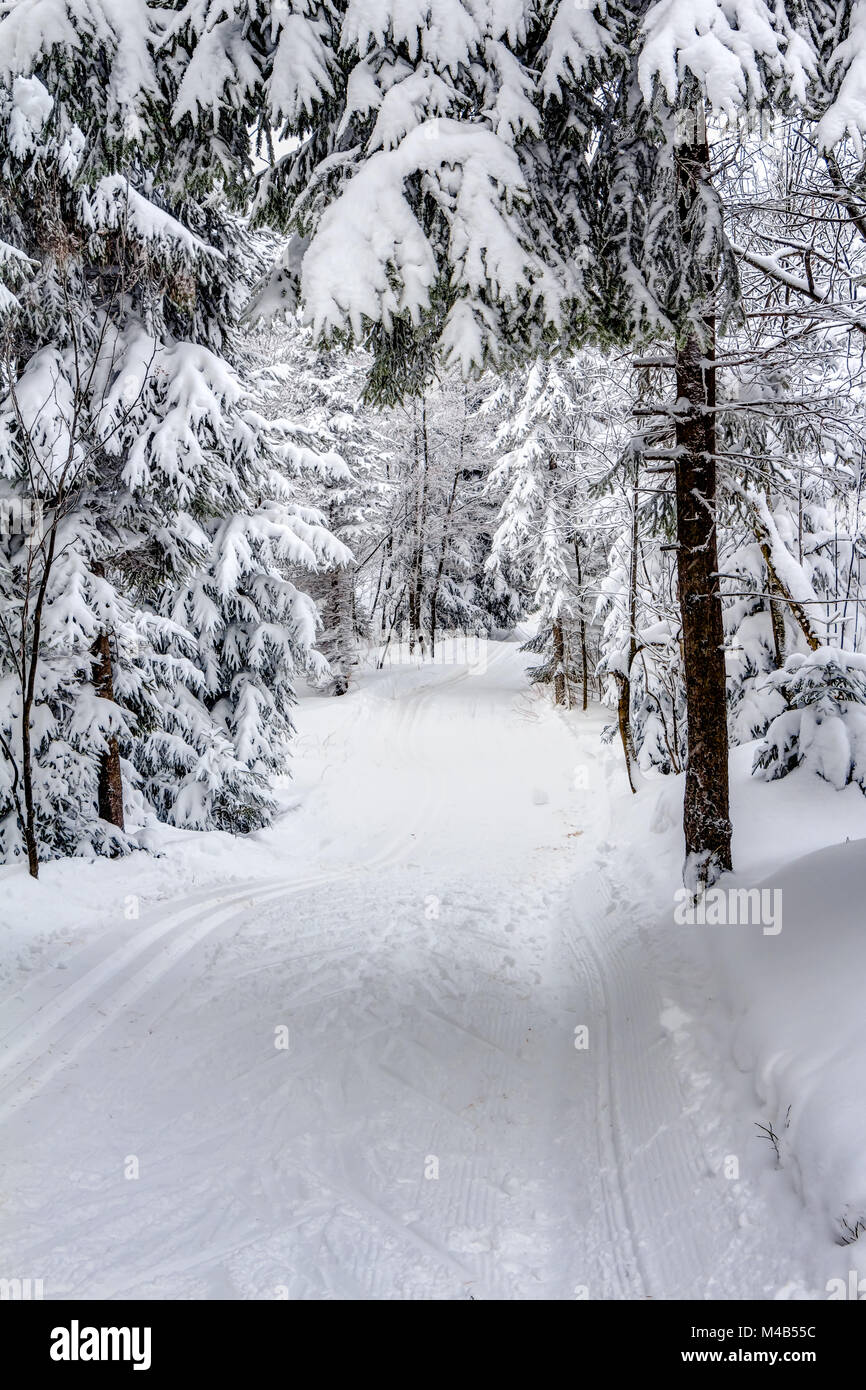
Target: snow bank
[801, 1028]
[786, 1007]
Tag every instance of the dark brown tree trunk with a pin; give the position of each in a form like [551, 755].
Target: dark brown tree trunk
[560, 694]
[623, 719]
[110, 784]
[416, 582]
[706, 817]
[559, 688]
[623, 679]
[584, 655]
[29, 807]
[29, 671]
[776, 586]
[706, 814]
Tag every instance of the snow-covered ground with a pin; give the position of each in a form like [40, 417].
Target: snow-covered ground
[436, 1034]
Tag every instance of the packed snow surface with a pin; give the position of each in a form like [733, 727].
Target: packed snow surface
[432, 1035]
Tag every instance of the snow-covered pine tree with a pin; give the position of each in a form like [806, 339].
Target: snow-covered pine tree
[60, 723]
[547, 453]
[822, 725]
[322, 393]
[150, 616]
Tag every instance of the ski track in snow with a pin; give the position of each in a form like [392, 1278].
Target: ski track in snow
[431, 961]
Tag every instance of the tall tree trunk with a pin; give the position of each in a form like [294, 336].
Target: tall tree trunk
[387, 551]
[623, 686]
[386, 590]
[29, 669]
[416, 584]
[443, 555]
[777, 624]
[584, 654]
[706, 815]
[341, 628]
[623, 680]
[110, 783]
[559, 687]
[29, 804]
[560, 694]
[777, 616]
[706, 818]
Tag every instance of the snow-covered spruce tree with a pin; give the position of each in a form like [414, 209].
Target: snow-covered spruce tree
[822, 726]
[493, 176]
[550, 446]
[675, 258]
[771, 612]
[791, 549]
[150, 616]
[210, 763]
[60, 724]
[322, 393]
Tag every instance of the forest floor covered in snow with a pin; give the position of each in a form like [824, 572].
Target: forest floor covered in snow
[436, 1033]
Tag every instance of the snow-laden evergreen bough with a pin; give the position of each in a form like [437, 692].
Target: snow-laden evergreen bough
[150, 627]
[822, 726]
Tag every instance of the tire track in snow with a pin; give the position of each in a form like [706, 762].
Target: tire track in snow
[89, 1020]
[390, 1240]
[388, 1243]
[627, 1263]
[675, 1208]
[32, 1042]
[90, 980]
[28, 1005]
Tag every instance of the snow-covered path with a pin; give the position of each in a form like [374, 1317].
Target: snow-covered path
[366, 1077]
